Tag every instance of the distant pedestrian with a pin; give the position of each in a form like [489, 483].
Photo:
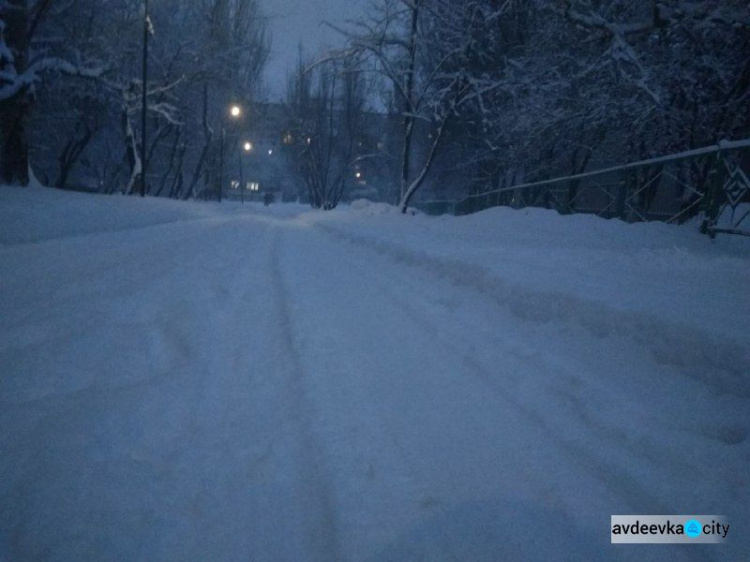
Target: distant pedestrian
[267, 199]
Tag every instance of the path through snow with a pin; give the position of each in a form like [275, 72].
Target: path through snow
[250, 384]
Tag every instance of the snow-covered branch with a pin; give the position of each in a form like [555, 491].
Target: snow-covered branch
[13, 83]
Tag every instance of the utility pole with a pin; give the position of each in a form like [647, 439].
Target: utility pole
[221, 162]
[242, 176]
[143, 97]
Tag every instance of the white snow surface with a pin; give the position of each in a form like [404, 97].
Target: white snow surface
[195, 381]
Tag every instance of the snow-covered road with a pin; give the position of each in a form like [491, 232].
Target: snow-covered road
[254, 384]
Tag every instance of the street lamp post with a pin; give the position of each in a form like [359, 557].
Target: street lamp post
[247, 147]
[242, 178]
[144, 87]
[235, 111]
[221, 162]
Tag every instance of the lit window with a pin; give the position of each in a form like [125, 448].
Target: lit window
[288, 138]
[253, 186]
[234, 184]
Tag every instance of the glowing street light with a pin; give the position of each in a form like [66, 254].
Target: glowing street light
[235, 111]
[358, 175]
[248, 146]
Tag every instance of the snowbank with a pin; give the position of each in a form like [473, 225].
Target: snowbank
[35, 213]
[653, 269]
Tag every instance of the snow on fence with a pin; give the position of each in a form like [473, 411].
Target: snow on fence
[709, 182]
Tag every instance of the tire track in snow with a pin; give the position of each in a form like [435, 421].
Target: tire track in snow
[378, 491]
[397, 281]
[419, 315]
[613, 475]
[316, 492]
[616, 478]
[463, 438]
[718, 362]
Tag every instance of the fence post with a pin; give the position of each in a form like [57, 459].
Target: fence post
[621, 196]
[570, 206]
[714, 188]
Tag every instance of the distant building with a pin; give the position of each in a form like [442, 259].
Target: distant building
[270, 164]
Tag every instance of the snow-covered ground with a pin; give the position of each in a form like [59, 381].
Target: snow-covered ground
[194, 381]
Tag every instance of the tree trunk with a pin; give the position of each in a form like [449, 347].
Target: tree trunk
[415, 185]
[14, 149]
[208, 137]
[409, 109]
[71, 152]
[132, 154]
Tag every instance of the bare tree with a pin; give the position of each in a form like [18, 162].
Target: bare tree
[21, 67]
[327, 105]
[414, 47]
[201, 56]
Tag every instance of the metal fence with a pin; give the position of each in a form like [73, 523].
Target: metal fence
[710, 183]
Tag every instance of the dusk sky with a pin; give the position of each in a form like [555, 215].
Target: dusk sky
[295, 21]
